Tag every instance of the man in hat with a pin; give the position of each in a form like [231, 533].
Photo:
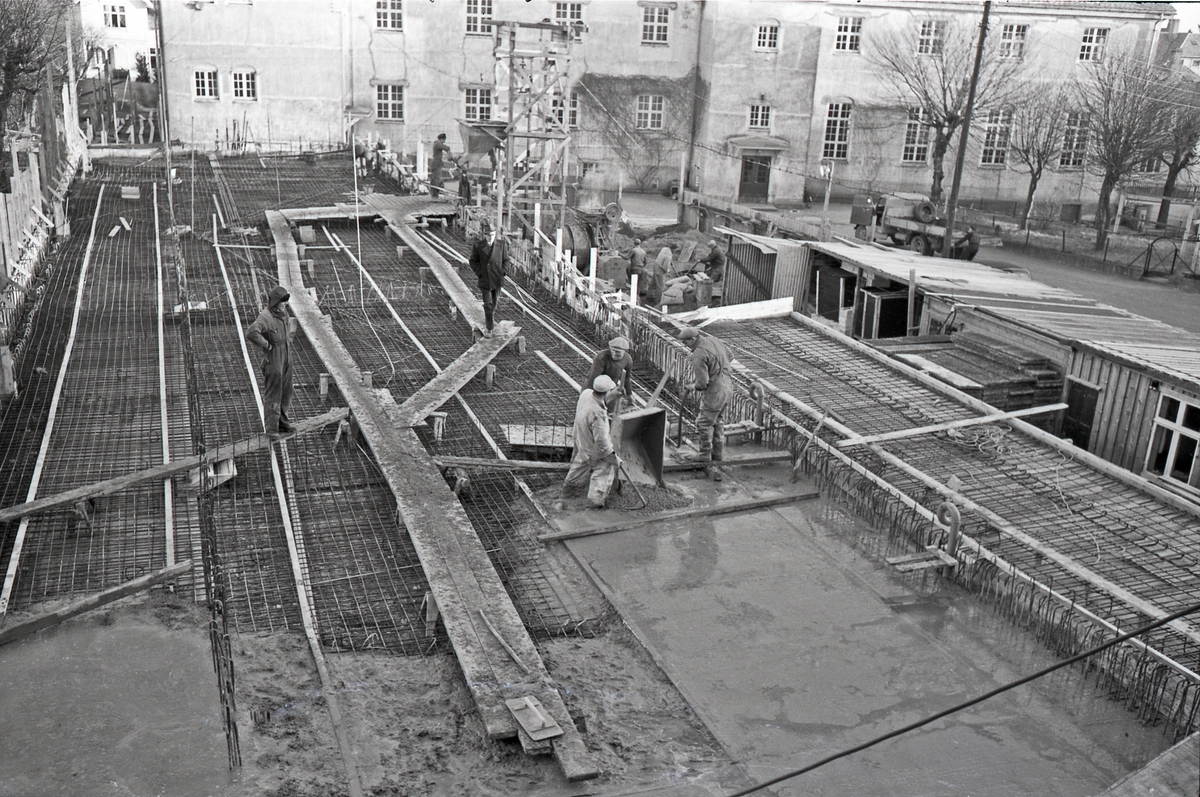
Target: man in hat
[637, 264]
[272, 333]
[594, 462]
[710, 365]
[966, 247]
[441, 150]
[489, 260]
[714, 262]
[615, 363]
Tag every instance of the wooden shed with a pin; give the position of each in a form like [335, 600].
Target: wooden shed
[761, 268]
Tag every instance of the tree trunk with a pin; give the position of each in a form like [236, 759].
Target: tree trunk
[941, 143]
[1103, 217]
[1035, 175]
[1164, 210]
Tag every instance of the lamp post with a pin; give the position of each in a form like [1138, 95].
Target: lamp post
[827, 174]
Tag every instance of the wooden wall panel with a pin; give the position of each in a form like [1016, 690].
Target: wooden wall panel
[1124, 410]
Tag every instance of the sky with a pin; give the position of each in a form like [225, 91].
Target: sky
[1189, 15]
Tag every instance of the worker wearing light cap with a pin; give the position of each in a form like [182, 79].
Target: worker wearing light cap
[710, 368]
[272, 333]
[594, 462]
[615, 363]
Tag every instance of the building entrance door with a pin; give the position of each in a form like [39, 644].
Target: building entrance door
[756, 178]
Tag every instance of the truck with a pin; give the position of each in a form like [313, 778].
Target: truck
[904, 219]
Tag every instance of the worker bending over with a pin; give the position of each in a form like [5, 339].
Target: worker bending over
[710, 365]
[615, 363]
[272, 332]
[594, 462]
[714, 267]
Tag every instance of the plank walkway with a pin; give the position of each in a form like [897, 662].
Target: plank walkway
[461, 577]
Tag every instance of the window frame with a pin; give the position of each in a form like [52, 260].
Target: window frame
[837, 123]
[932, 42]
[1093, 44]
[571, 15]
[848, 35]
[211, 90]
[249, 80]
[651, 116]
[390, 108]
[658, 28]
[1176, 428]
[769, 31]
[997, 138]
[114, 15]
[1075, 141]
[390, 11]
[474, 107]
[479, 21]
[916, 137]
[763, 115]
[1012, 47]
[570, 105]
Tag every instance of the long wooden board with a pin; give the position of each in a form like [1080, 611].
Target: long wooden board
[158, 472]
[941, 427]
[463, 297]
[460, 574]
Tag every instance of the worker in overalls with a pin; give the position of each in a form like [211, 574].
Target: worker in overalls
[594, 462]
[710, 366]
[615, 363]
[272, 332]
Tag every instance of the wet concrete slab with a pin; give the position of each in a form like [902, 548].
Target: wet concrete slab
[98, 707]
[793, 645]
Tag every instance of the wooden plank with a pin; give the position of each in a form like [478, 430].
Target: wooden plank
[438, 390]
[681, 514]
[563, 467]
[941, 427]
[538, 436]
[463, 297]
[941, 372]
[21, 630]
[119, 483]
[460, 574]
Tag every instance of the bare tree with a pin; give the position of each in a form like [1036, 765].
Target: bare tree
[1126, 102]
[31, 38]
[1037, 135]
[928, 66]
[1181, 135]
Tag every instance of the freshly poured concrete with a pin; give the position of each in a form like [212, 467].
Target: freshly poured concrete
[792, 645]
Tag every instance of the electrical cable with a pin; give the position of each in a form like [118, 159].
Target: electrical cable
[987, 696]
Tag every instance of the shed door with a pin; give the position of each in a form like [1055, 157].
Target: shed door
[756, 178]
[1081, 411]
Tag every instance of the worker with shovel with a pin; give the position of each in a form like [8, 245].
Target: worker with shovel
[272, 332]
[594, 462]
[710, 365]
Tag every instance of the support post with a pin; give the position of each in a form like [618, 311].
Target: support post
[912, 299]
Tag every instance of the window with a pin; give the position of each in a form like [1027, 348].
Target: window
[849, 34]
[389, 102]
[1173, 446]
[760, 116]
[152, 62]
[916, 137]
[570, 14]
[588, 167]
[479, 16]
[114, 16]
[995, 138]
[1075, 136]
[206, 83]
[388, 15]
[571, 106]
[245, 85]
[1012, 41]
[837, 131]
[1092, 48]
[655, 20]
[649, 112]
[479, 105]
[767, 37]
[1150, 165]
[933, 33]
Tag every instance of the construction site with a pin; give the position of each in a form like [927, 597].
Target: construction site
[920, 567]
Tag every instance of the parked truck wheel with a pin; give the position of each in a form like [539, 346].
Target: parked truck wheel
[862, 232]
[919, 244]
[925, 212]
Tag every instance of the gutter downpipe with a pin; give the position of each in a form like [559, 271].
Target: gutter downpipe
[691, 153]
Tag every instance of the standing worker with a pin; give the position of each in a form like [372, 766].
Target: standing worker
[615, 363]
[272, 332]
[489, 260]
[637, 265]
[594, 461]
[710, 366]
[714, 267]
[967, 247]
[435, 168]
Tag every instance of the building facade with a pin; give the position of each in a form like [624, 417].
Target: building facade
[117, 32]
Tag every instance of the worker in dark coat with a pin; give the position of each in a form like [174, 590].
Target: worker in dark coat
[594, 461]
[441, 151]
[714, 262]
[710, 363]
[615, 363]
[967, 247]
[272, 332]
[489, 260]
[637, 264]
